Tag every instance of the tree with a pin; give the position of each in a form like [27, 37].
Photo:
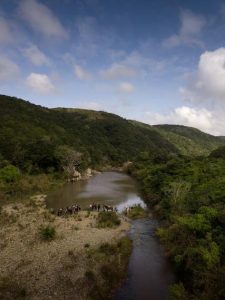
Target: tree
[69, 159]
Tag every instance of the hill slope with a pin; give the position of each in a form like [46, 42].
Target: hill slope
[190, 141]
[30, 134]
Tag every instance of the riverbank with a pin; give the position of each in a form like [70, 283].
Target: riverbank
[44, 256]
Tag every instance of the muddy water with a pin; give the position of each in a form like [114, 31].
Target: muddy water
[149, 272]
[109, 188]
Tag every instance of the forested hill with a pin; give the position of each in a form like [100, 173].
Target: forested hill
[31, 134]
[190, 141]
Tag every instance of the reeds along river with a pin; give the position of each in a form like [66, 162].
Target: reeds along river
[149, 272]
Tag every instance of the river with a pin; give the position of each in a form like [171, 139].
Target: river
[149, 272]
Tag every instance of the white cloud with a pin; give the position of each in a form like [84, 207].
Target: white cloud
[211, 73]
[40, 83]
[41, 19]
[126, 87]
[36, 56]
[191, 27]
[200, 118]
[134, 64]
[5, 31]
[81, 73]
[8, 69]
[92, 105]
[117, 71]
[208, 82]
[205, 88]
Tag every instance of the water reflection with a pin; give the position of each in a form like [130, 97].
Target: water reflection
[112, 188]
[149, 272]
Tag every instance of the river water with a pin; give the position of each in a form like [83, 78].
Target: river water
[149, 272]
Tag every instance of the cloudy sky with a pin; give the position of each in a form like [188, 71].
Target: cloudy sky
[156, 61]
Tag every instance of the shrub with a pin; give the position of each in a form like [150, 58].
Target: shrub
[137, 212]
[10, 289]
[9, 174]
[107, 219]
[177, 291]
[90, 275]
[47, 233]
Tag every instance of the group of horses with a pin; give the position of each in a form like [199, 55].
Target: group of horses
[99, 207]
[69, 210]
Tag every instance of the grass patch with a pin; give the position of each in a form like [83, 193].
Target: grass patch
[88, 214]
[10, 289]
[111, 267]
[47, 233]
[137, 212]
[90, 275]
[107, 219]
[74, 227]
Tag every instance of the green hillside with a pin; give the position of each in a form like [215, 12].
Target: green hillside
[190, 141]
[31, 134]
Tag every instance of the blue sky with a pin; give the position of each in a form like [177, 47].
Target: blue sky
[154, 61]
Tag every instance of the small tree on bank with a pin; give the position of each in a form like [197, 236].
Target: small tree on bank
[69, 160]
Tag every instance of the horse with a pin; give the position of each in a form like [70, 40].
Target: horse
[60, 212]
[68, 210]
[107, 208]
[93, 206]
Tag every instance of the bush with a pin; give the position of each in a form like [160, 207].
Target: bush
[107, 219]
[10, 289]
[90, 275]
[47, 233]
[114, 261]
[137, 212]
[9, 174]
[177, 291]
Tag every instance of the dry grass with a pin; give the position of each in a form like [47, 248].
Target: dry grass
[49, 270]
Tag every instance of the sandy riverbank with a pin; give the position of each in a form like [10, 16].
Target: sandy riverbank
[53, 269]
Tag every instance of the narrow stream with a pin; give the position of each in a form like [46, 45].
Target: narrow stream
[149, 272]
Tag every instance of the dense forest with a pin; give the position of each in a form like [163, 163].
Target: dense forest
[36, 143]
[181, 171]
[188, 194]
[31, 134]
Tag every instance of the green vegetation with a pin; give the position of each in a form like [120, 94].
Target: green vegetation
[107, 219]
[47, 233]
[137, 212]
[36, 140]
[41, 147]
[189, 141]
[10, 289]
[189, 196]
[111, 261]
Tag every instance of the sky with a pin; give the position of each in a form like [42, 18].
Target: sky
[159, 62]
